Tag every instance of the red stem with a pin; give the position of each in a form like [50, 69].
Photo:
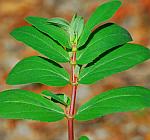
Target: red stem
[73, 99]
[70, 129]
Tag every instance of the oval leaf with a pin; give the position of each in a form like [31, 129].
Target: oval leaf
[22, 104]
[55, 32]
[104, 38]
[40, 42]
[101, 14]
[38, 70]
[116, 100]
[115, 61]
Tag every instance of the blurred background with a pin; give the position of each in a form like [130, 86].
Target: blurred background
[134, 15]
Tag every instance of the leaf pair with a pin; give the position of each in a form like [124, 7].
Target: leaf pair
[22, 104]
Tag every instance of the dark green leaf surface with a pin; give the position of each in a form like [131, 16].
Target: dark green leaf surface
[84, 138]
[115, 61]
[22, 104]
[38, 70]
[57, 98]
[101, 14]
[40, 42]
[116, 100]
[55, 32]
[105, 38]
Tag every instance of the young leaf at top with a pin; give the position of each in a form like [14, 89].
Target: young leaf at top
[83, 138]
[76, 28]
[54, 32]
[101, 14]
[118, 60]
[57, 98]
[116, 100]
[60, 22]
[104, 38]
[22, 104]
[40, 42]
[36, 69]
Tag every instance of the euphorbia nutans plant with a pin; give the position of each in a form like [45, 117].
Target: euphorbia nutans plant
[94, 51]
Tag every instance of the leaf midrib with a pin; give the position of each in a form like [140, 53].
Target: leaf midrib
[40, 70]
[36, 105]
[103, 99]
[106, 63]
[43, 63]
[44, 43]
[81, 54]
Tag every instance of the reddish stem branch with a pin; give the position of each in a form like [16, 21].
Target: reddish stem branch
[73, 99]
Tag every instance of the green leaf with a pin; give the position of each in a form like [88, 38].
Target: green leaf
[57, 98]
[38, 70]
[118, 60]
[22, 104]
[116, 100]
[60, 22]
[101, 14]
[40, 42]
[84, 138]
[55, 32]
[76, 28]
[104, 38]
